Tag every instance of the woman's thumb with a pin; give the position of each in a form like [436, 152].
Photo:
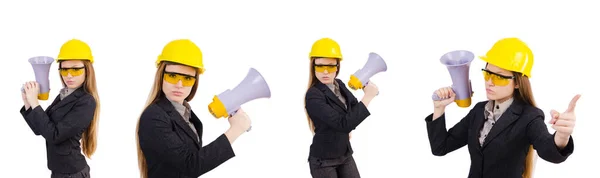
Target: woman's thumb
[554, 115]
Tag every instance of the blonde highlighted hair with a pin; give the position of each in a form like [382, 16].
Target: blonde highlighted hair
[90, 135]
[155, 93]
[525, 94]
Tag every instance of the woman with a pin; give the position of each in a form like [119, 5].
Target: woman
[332, 113]
[503, 132]
[73, 116]
[169, 134]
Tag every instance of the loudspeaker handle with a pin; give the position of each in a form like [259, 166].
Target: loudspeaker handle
[367, 83]
[233, 113]
[22, 89]
[435, 97]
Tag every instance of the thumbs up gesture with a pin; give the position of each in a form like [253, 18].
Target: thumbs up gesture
[564, 123]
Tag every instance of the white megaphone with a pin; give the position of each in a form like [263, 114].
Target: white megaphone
[41, 69]
[374, 65]
[228, 102]
[458, 63]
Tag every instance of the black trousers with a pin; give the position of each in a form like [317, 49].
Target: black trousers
[343, 167]
[85, 173]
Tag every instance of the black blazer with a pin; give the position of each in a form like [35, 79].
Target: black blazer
[505, 148]
[170, 146]
[332, 121]
[62, 125]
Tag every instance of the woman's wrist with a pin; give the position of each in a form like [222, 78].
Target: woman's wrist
[561, 141]
[437, 112]
[233, 133]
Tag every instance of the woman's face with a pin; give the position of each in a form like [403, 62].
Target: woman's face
[499, 84]
[325, 70]
[72, 73]
[178, 81]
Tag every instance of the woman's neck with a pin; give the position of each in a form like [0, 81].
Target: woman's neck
[179, 102]
[502, 100]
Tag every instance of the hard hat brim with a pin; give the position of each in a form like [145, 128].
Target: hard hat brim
[67, 59]
[332, 57]
[200, 69]
[487, 60]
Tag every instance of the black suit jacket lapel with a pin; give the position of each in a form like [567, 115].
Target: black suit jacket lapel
[164, 103]
[58, 103]
[508, 117]
[478, 124]
[51, 107]
[350, 100]
[325, 89]
[198, 125]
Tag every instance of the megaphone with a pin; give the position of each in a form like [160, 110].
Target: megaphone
[41, 69]
[374, 65]
[458, 63]
[228, 102]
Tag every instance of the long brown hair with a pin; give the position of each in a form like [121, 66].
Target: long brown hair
[525, 94]
[90, 135]
[155, 93]
[312, 80]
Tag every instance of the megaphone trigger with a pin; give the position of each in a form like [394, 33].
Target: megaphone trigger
[471, 88]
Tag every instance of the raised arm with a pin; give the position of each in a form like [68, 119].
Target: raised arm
[442, 141]
[318, 109]
[74, 122]
[544, 142]
[157, 138]
[24, 112]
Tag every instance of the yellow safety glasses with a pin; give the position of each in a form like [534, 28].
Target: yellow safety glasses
[75, 71]
[174, 78]
[497, 79]
[329, 68]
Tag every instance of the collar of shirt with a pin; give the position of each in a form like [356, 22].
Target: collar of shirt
[66, 92]
[495, 108]
[331, 87]
[183, 109]
[334, 87]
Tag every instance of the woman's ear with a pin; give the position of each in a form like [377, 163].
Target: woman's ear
[516, 86]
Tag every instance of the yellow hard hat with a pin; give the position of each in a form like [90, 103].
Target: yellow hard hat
[511, 54]
[326, 47]
[182, 51]
[75, 49]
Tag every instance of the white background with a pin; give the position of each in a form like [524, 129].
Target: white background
[275, 38]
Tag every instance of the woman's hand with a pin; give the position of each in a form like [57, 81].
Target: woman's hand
[24, 97]
[371, 90]
[447, 95]
[32, 90]
[239, 123]
[240, 120]
[564, 123]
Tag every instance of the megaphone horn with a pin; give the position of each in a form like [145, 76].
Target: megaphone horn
[41, 69]
[228, 102]
[458, 63]
[374, 65]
